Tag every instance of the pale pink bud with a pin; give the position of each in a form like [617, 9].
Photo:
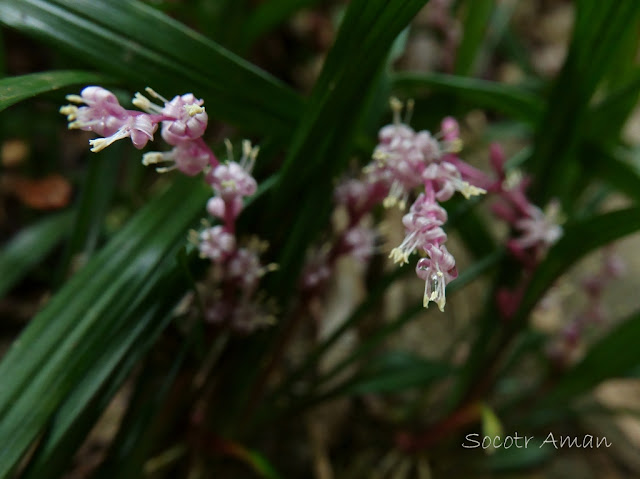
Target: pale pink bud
[189, 119]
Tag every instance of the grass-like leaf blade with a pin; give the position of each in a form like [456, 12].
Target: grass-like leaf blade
[578, 240]
[30, 246]
[510, 100]
[613, 356]
[63, 342]
[18, 88]
[141, 45]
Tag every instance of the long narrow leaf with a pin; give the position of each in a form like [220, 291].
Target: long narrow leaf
[613, 356]
[30, 246]
[579, 239]
[67, 337]
[478, 13]
[269, 14]
[321, 144]
[18, 88]
[145, 47]
[562, 127]
[612, 168]
[513, 101]
[81, 409]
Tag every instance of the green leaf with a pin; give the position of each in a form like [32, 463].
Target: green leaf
[143, 46]
[30, 246]
[513, 101]
[599, 26]
[613, 356]
[261, 465]
[476, 19]
[128, 455]
[65, 340]
[93, 205]
[321, 143]
[79, 412]
[18, 88]
[606, 119]
[269, 15]
[614, 169]
[377, 337]
[394, 371]
[518, 458]
[578, 240]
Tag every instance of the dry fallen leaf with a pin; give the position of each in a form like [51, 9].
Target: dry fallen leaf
[48, 193]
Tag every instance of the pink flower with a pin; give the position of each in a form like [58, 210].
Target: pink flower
[437, 270]
[316, 271]
[102, 113]
[450, 129]
[219, 208]
[539, 228]
[360, 242]
[190, 158]
[447, 180]
[216, 244]
[231, 180]
[138, 127]
[188, 119]
[245, 268]
[405, 160]
[423, 228]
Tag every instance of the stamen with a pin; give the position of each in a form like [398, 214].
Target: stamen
[231, 184]
[229, 148]
[396, 107]
[468, 190]
[454, 146]
[193, 237]
[512, 180]
[380, 156]
[166, 169]
[246, 148]
[152, 158]
[75, 98]
[389, 202]
[100, 144]
[435, 281]
[155, 94]
[70, 111]
[409, 111]
[193, 110]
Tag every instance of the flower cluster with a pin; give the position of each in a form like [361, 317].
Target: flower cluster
[183, 120]
[565, 347]
[357, 239]
[405, 160]
[232, 299]
[537, 230]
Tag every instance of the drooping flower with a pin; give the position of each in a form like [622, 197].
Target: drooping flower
[447, 180]
[437, 270]
[422, 227]
[405, 160]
